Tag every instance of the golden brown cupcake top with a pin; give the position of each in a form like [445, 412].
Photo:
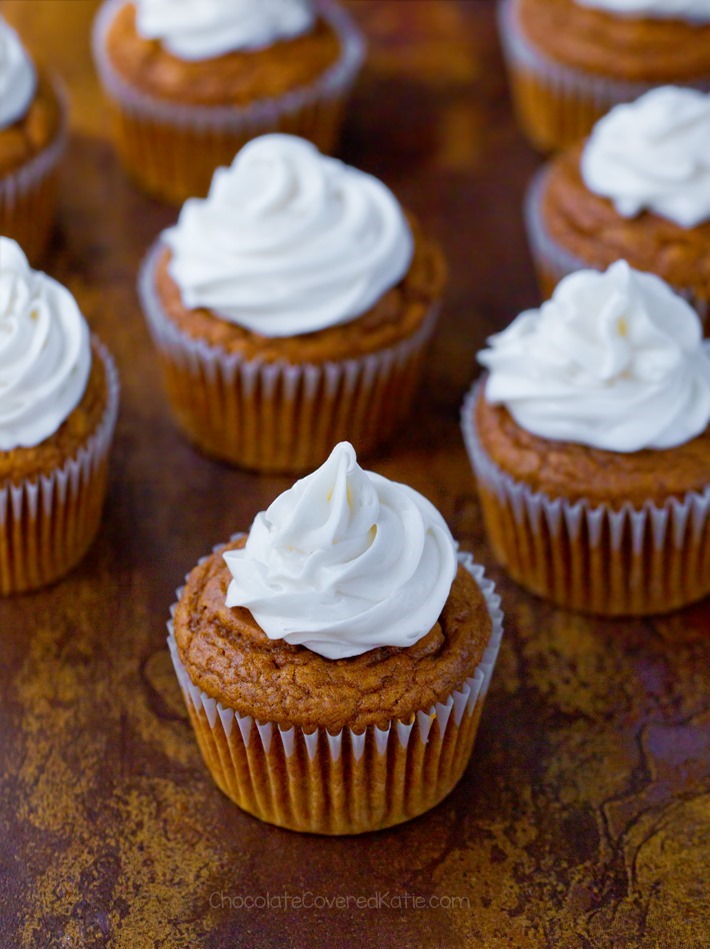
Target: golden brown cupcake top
[589, 227]
[601, 393]
[52, 393]
[31, 134]
[232, 660]
[575, 472]
[53, 452]
[623, 47]
[238, 78]
[398, 315]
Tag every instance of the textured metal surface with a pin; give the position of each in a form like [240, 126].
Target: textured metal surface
[584, 816]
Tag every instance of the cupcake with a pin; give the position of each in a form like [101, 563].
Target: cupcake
[32, 142]
[58, 407]
[590, 442]
[190, 82]
[335, 661]
[638, 189]
[570, 61]
[291, 308]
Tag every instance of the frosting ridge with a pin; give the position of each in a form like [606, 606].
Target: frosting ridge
[654, 154]
[289, 241]
[614, 360]
[196, 30]
[45, 352]
[18, 78]
[345, 561]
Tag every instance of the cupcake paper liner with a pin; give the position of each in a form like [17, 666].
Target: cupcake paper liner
[278, 416]
[553, 262]
[593, 558]
[172, 149]
[48, 523]
[556, 104]
[28, 195]
[350, 782]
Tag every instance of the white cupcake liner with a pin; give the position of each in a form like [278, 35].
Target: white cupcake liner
[47, 523]
[172, 148]
[593, 558]
[279, 416]
[350, 782]
[556, 104]
[28, 194]
[553, 262]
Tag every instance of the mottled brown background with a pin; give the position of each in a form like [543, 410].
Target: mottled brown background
[584, 817]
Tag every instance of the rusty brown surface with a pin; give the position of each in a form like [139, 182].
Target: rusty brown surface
[584, 817]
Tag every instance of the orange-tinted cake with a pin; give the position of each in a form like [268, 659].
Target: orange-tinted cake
[236, 78]
[230, 658]
[589, 227]
[574, 471]
[398, 315]
[32, 133]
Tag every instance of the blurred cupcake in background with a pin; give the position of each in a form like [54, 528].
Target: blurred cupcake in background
[190, 82]
[291, 308]
[590, 441]
[638, 189]
[570, 61]
[335, 661]
[58, 408]
[32, 142]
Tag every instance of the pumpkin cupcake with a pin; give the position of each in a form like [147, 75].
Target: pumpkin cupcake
[570, 61]
[335, 661]
[191, 82]
[291, 308]
[32, 142]
[638, 189]
[590, 441]
[58, 407]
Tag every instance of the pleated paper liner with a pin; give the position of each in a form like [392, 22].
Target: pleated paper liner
[593, 558]
[47, 524]
[172, 150]
[281, 417]
[553, 262]
[557, 105]
[28, 195]
[349, 782]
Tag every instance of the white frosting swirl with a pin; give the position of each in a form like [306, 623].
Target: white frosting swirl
[18, 78]
[45, 352]
[196, 30]
[691, 10]
[344, 562]
[289, 241]
[614, 360]
[654, 154]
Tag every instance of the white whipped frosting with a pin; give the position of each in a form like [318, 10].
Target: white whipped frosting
[45, 352]
[344, 562]
[691, 10]
[289, 241]
[614, 360]
[204, 29]
[654, 154]
[18, 78]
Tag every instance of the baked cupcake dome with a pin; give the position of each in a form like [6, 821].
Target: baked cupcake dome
[32, 142]
[58, 408]
[637, 189]
[591, 447]
[355, 705]
[570, 61]
[291, 308]
[189, 88]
